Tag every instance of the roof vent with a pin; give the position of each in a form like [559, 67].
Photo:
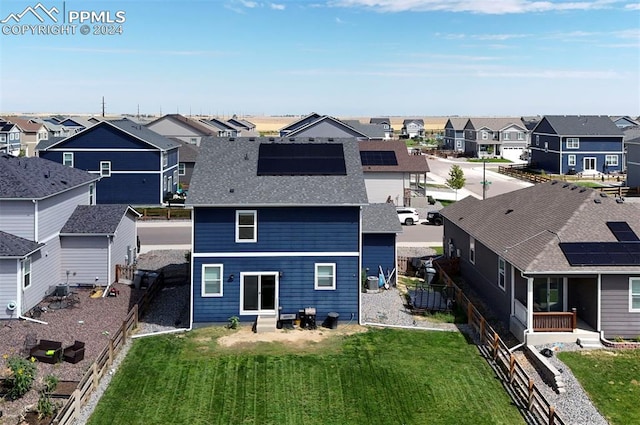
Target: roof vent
[246, 156]
[330, 139]
[566, 185]
[252, 139]
[232, 139]
[272, 139]
[603, 194]
[231, 190]
[583, 189]
[554, 182]
[509, 211]
[292, 139]
[311, 139]
[63, 181]
[574, 187]
[597, 201]
[620, 200]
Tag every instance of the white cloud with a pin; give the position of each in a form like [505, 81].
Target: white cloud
[493, 7]
[276, 6]
[249, 4]
[340, 21]
[633, 6]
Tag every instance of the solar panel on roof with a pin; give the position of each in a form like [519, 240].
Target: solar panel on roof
[601, 253]
[622, 231]
[378, 158]
[299, 159]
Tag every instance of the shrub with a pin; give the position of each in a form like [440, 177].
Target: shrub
[23, 372]
[233, 322]
[47, 408]
[618, 339]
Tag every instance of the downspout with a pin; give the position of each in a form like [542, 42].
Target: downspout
[599, 306]
[191, 284]
[560, 149]
[108, 283]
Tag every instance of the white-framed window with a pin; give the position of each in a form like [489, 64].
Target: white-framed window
[175, 176]
[501, 270]
[212, 275]
[92, 189]
[164, 183]
[472, 250]
[611, 160]
[105, 168]
[10, 136]
[194, 140]
[520, 135]
[571, 160]
[573, 143]
[325, 276]
[182, 169]
[485, 135]
[26, 273]
[634, 294]
[170, 184]
[67, 159]
[507, 136]
[165, 159]
[246, 226]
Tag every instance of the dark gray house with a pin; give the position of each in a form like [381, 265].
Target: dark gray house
[454, 134]
[555, 261]
[385, 122]
[632, 146]
[188, 154]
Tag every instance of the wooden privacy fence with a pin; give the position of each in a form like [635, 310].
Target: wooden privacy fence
[520, 172]
[521, 387]
[70, 411]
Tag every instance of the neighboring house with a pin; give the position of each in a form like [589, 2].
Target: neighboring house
[32, 132]
[9, 138]
[535, 254]
[52, 234]
[326, 126]
[632, 145]
[584, 144]
[136, 165]
[385, 122]
[188, 154]
[223, 128]
[247, 128]
[454, 134]
[411, 128]
[183, 128]
[623, 122]
[277, 227]
[302, 122]
[506, 138]
[390, 173]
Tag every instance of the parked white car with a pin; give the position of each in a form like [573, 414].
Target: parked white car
[408, 216]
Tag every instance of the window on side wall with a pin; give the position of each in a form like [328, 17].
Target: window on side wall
[181, 169]
[212, 280]
[26, 273]
[501, 271]
[165, 159]
[92, 188]
[634, 294]
[472, 250]
[612, 160]
[105, 168]
[246, 226]
[325, 276]
[571, 160]
[67, 159]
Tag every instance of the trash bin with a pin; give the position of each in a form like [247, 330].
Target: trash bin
[372, 283]
[430, 273]
[331, 321]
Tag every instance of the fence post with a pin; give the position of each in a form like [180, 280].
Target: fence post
[77, 403]
[496, 344]
[469, 316]
[512, 367]
[135, 316]
[574, 319]
[124, 331]
[530, 404]
[110, 351]
[481, 329]
[552, 415]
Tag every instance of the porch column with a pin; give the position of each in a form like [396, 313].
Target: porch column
[530, 304]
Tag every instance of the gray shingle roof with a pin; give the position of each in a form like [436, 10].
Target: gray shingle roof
[380, 218]
[496, 123]
[226, 175]
[193, 124]
[380, 120]
[347, 127]
[38, 178]
[632, 135]
[583, 125]
[45, 144]
[142, 132]
[526, 226]
[188, 152]
[457, 123]
[95, 219]
[12, 246]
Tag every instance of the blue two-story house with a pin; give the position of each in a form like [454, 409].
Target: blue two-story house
[277, 227]
[136, 165]
[577, 144]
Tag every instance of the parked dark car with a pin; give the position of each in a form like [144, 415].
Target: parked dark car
[435, 218]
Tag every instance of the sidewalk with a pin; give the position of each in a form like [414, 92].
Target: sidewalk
[462, 193]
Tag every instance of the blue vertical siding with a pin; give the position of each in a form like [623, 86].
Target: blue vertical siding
[378, 250]
[296, 287]
[306, 229]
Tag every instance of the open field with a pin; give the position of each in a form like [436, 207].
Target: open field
[379, 376]
[612, 380]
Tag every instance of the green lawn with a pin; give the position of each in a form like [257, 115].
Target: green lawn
[612, 379]
[382, 376]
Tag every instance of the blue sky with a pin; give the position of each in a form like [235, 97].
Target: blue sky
[337, 57]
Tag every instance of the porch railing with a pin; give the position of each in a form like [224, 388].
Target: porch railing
[555, 321]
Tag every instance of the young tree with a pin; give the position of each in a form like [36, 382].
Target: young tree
[456, 179]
